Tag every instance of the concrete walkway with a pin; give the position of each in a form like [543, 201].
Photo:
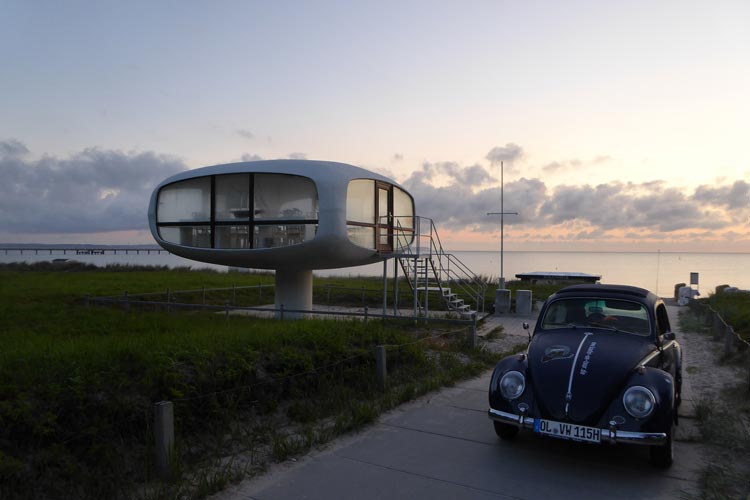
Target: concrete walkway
[444, 446]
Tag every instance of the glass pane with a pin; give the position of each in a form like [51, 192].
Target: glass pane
[382, 206]
[232, 237]
[188, 236]
[362, 236]
[279, 196]
[282, 235]
[403, 209]
[360, 201]
[232, 197]
[383, 235]
[185, 201]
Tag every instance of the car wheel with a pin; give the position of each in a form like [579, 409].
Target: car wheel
[505, 431]
[663, 455]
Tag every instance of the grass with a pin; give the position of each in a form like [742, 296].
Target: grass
[724, 422]
[735, 309]
[78, 384]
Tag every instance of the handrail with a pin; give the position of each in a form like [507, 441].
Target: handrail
[447, 268]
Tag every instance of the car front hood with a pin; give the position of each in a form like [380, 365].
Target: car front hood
[581, 392]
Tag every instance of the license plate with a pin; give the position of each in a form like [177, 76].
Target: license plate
[564, 430]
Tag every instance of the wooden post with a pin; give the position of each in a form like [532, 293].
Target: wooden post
[226, 306]
[718, 323]
[473, 334]
[366, 309]
[125, 302]
[164, 438]
[380, 366]
[86, 300]
[728, 340]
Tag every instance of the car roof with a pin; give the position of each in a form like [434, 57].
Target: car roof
[619, 291]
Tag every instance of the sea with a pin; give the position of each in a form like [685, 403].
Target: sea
[656, 271]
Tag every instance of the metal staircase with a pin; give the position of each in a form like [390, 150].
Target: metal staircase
[431, 272]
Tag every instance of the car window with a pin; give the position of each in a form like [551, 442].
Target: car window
[620, 315]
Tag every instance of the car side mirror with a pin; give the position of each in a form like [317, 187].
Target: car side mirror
[669, 336]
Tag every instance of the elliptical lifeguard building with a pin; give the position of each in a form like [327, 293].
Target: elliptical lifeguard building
[292, 216]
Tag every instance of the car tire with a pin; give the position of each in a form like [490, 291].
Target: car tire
[505, 431]
[663, 455]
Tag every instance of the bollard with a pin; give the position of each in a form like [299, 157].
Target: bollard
[366, 313]
[164, 438]
[380, 366]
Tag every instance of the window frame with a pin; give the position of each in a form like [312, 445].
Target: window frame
[250, 222]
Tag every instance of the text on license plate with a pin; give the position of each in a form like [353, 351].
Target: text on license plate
[564, 430]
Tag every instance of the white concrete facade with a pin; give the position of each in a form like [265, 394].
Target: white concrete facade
[292, 216]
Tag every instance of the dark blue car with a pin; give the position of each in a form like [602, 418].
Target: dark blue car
[602, 366]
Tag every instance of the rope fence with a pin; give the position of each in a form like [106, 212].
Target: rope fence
[721, 331]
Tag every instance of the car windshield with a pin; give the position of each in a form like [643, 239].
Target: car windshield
[619, 315]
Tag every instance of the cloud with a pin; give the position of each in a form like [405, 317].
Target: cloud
[92, 191]
[580, 211]
[97, 191]
[246, 134]
[510, 152]
[249, 157]
[733, 197]
[12, 148]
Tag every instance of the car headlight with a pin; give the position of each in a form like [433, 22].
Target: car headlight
[512, 385]
[639, 401]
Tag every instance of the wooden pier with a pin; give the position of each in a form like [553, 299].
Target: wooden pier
[81, 251]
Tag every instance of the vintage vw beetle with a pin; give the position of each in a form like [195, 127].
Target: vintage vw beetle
[602, 366]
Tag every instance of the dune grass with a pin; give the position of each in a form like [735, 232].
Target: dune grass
[78, 384]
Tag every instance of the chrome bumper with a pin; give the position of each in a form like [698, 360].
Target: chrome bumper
[610, 434]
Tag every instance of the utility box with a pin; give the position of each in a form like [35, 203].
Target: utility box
[523, 302]
[502, 301]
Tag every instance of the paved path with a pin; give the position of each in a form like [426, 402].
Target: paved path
[443, 446]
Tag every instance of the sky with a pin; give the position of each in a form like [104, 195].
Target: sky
[621, 126]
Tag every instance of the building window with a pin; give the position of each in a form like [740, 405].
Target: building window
[185, 201]
[379, 215]
[215, 211]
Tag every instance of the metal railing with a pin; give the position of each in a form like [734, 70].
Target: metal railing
[202, 298]
[422, 241]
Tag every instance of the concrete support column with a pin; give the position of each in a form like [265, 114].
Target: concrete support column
[294, 291]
